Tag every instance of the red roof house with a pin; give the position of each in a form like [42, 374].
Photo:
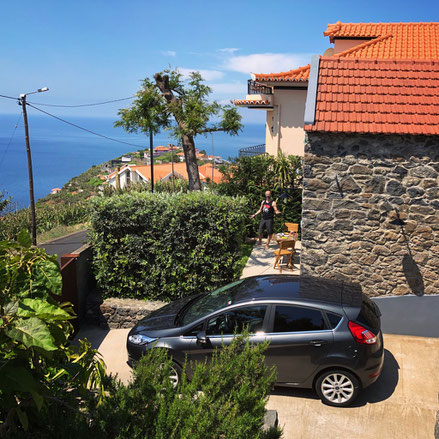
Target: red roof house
[283, 94]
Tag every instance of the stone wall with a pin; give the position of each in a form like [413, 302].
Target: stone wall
[119, 313]
[352, 186]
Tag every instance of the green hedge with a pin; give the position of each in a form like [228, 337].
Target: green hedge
[162, 246]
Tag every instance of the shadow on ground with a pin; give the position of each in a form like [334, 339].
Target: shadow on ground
[93, 334]
[379, 391]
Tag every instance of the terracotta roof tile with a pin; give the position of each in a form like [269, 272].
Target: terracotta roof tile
[299, 74]
[395, 96]
[387, 41]
[245, 102]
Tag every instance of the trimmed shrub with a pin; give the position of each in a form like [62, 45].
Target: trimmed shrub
[225, 400]
[162, 246]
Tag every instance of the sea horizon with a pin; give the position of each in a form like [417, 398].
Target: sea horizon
[61, 152]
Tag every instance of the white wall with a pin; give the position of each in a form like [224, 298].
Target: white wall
[284, 127]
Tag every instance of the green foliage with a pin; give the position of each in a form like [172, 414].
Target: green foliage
[4, 202]
[183, 107]
[48, 217]
[38, 367]
[252, 176]
[225, 400]
[161, 246]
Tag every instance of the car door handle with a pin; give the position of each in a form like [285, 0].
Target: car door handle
[317, 343]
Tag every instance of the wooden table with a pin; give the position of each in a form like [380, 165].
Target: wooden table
[292, 237]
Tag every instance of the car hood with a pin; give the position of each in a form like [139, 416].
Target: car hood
[162, 322]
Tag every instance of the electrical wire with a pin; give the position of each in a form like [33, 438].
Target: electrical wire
[8, 97]
[10, 140]
[84, 129]
[82, 105]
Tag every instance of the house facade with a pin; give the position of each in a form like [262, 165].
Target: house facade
[371, 174]
[134, 174]
[283, 95]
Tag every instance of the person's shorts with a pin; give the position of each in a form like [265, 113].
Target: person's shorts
[266, 224]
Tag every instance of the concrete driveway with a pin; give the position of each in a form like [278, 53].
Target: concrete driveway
[401, 404]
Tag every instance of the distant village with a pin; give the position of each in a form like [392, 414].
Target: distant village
[169, 162]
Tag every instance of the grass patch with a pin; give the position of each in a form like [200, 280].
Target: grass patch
[246, 249]
[59, 231]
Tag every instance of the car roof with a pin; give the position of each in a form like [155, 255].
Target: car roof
[298, 288]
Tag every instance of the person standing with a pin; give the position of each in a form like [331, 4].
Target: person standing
[268, 209]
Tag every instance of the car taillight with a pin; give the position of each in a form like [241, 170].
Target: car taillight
[362, 335]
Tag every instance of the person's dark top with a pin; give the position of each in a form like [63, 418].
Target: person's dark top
[267, 210]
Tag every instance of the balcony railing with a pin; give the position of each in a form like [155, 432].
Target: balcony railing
[255, 88]
[251, 151]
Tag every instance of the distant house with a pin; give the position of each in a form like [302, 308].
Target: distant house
[283, 95]
[133, 174]
[159, 150]
[55, 190]
[126, 159]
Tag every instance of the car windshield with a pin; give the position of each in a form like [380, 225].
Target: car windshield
[210, 302]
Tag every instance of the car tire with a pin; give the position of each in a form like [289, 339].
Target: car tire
[175, 375]
[337, 388]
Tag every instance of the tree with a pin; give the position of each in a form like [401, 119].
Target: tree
[182, 106]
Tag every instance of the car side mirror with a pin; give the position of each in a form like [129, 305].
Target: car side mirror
[202, 338]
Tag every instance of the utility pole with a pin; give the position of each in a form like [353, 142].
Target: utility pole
[23, 103]
[29, 169]
[151, 156]
[213, 154]
[172, 165]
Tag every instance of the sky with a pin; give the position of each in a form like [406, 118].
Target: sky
[94, 50]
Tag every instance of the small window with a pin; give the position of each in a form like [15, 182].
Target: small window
[334, 319]
[236, 320]
[297, 319]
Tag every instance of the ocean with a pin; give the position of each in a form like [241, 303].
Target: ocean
[60, 151]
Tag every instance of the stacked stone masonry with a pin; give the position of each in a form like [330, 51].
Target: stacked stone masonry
[125, 313]
[355, 187]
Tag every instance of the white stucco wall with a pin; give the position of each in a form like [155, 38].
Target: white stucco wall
[284, 127]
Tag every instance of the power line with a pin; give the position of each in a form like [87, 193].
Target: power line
[84, 129]
[82, 105]
[8, 97]
[10, 140]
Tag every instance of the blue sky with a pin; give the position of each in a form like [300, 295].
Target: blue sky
[88, 51]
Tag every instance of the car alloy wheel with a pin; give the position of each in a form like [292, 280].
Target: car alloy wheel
[337, 388]
[175, 374]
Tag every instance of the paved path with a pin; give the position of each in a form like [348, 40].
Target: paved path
[65, 244]
[261, 261]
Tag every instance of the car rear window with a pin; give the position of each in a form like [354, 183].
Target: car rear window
[369, 314]
[334, 319]
[296, 319]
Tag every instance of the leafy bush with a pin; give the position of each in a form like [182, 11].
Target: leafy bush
[48, 217]
[180, 185]
[252, 176]
[226, 400]
[161, 246]
[40, 372]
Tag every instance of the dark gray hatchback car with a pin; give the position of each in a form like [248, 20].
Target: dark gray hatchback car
[323, 334]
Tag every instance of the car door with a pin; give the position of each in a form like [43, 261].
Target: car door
[220, 329]
[299, 340]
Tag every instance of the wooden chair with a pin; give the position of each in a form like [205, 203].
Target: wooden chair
[293, 228]
[286, 248]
